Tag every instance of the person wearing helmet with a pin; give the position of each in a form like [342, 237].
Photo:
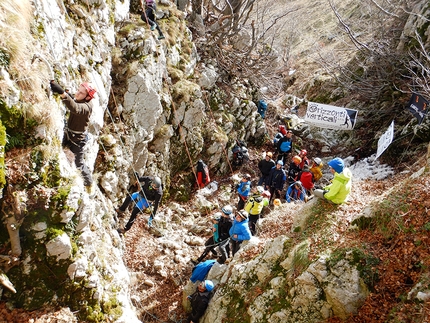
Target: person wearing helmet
[285, 146]
[316, 168]
[224, 225]
[150, 194]
[75, 133]
[295, 193]
[199, 300]
[307, 179]
[305, 160]
[244, 189]
[213, 241]
[294, 169]
[254, 206]
[265, 165]
[340, 188]
[276, 181]
[239, 231]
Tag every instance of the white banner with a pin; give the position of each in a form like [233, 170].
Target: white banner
[385, 140]
[328, 116]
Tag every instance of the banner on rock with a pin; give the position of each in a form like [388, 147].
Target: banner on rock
[385, 140]
[418, 106]
[328, 116]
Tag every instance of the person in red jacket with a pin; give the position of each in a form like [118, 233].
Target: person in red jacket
[307, 179]
[203, 178]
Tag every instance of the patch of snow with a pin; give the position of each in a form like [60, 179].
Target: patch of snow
[368, 168]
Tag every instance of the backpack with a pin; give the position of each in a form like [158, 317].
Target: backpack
[202, 174]
[240, 153]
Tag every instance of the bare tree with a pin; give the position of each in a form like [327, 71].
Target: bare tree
[241, 35]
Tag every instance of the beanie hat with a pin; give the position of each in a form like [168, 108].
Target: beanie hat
[337, 164]
[280, 162]
[209, 285]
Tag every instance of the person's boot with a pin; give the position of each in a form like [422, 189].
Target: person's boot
[161, 37]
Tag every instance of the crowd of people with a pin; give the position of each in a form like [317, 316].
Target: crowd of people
[296, 183]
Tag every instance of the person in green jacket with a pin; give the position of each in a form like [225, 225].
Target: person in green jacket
[340, 188]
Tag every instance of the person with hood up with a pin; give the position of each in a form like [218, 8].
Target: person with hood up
[239, 232]
[295, 193]
[200, 300]
[340, 188]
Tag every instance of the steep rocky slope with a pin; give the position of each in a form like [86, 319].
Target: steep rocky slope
[164, 111]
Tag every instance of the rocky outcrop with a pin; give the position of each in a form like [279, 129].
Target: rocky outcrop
[281, 285]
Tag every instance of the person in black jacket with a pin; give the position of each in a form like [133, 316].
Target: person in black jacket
[150, 195]
[224, 225]
[200, 300]
[265, 165]
[277, 180]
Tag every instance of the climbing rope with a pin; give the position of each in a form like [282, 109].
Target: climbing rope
[213, 119]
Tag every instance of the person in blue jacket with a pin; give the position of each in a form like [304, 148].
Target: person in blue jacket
[285, 147]
[239, 232]
[244, 189]
[295, 192]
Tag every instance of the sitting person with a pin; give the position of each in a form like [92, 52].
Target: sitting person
[296, 193]
[340, 188]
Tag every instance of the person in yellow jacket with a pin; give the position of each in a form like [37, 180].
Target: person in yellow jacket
[254, 206]
[340, 188]
[316, 168]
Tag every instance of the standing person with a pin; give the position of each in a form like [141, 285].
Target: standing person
[316, 168]
[265, 165]
[200, 300]
[340, 188]
[277, 179]
[254, 206]
[203, 177]
[307, 179]
[224, 226]
[285, 146]
[75, 133]
[239, 231]
[295, 193]
[151, 190]
[213, 241]
[149, 17]
[305, 161]
[294, 169]
[243, 189]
